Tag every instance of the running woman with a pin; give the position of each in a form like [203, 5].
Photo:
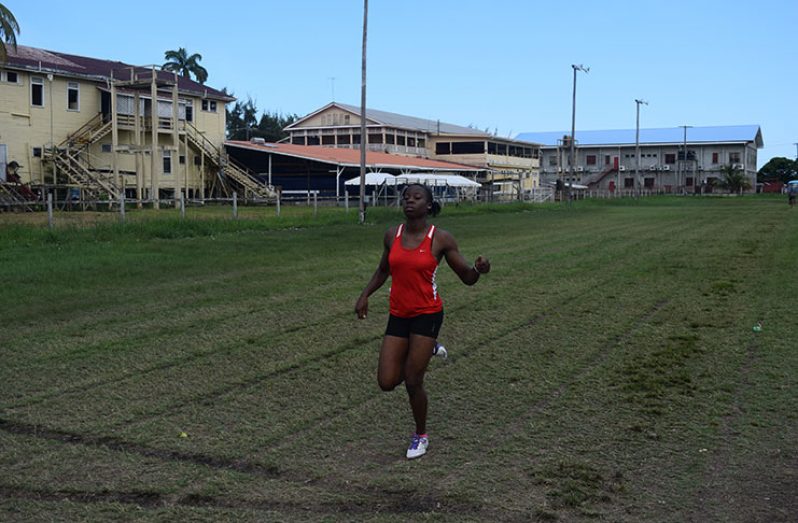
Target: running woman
[411, 256]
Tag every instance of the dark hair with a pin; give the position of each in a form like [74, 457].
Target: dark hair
[435, 207]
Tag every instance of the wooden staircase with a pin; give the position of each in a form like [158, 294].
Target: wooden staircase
[239, 176]
[68, 158]
[11, 197]
[95, 185]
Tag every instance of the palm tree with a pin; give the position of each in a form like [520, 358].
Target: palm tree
[180, 62]
[9, 29]
[733, 179]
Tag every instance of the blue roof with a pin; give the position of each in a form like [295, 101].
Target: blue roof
[667, 135]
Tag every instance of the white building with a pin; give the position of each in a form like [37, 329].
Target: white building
[607, 160]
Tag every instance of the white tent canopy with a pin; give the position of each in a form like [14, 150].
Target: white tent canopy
[434, 180]
[374, 179]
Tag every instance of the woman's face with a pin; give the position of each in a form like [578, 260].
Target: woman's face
[415, 203]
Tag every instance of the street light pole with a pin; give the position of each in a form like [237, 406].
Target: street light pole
[576, 68]
[637, 145]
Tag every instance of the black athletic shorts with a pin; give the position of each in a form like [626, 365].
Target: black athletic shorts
[424, 324]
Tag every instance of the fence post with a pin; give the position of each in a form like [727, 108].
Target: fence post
[279, 195]
[235, 205]
[50, 210]
[122, 207]
[346, 200]
[315, 204]
[182, 205]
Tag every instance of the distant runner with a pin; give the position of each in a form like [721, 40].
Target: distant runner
[411, 256]
[792, 192]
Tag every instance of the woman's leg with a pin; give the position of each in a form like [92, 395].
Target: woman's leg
[415, 366]
[390, 369]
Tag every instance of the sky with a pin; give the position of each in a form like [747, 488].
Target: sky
[498, 65]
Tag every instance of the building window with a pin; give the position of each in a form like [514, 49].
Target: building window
[10, 77]
[189, 111]
[375, 138]
[422, 143]
[628, 183]
[400, 139]
[106, 147]
[468, 147]
[314, 140]
[346, 119]
[670, 158]
[688, 181]
[552, 161]
[734, 157]
[209, 106]
[328, 139]
[715, 158]
[648, 183]
[443, 148]
[411, 141]
[182, 159]
[37, 91]
[390, 138]
[298, 140]
[591, 159]
[73, 96]
[167, 162]
[606, 159]
[198, 160]
[343, 139]
[37, 152]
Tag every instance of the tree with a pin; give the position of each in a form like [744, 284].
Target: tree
[778, 168]
[9, 29]
[180, 62]
[243, 123]
[733, 179]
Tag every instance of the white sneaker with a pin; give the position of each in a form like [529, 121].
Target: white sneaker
[418, 446]
[440, 351]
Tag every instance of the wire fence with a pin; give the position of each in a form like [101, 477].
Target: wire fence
[308, 202]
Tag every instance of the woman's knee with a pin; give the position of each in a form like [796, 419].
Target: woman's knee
[388, 383]
[414, 384]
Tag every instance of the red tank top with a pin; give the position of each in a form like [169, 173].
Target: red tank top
[413, 287]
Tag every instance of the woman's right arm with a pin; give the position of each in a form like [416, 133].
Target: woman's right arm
[377, 279]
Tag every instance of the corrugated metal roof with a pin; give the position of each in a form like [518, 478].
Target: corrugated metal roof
[667, 135]
[351, 157]
[33, 59]
[401, 121]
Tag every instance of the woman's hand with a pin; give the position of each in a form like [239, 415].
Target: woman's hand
[362, 307]
[482, 265]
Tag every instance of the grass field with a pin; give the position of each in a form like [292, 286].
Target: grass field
[606, 369]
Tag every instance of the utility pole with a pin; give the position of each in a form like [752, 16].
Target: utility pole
[576, 68]
[363, 137]
[796, 151]
[637, 146]
[683, 164]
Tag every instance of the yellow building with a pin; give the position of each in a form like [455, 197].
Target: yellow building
[83, 126]
[510, 164]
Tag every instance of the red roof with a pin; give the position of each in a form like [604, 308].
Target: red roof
[41, 60]
[351, 157]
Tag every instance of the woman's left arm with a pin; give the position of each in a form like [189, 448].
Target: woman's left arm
[468, 273]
